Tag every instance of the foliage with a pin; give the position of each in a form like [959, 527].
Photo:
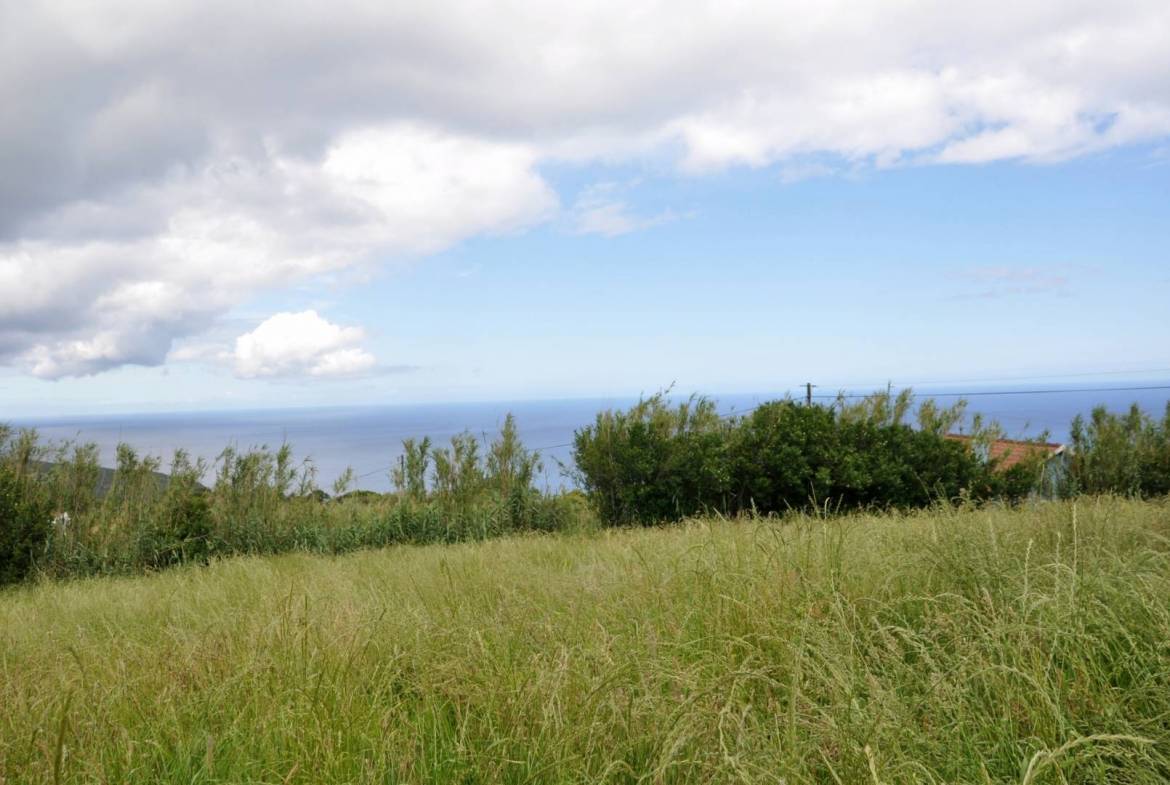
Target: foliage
[410, 477]
[656, 462]
[26, 513]
[25, 521]
[1121, 453]
[459, 473]
[786, 456]
[263, 501]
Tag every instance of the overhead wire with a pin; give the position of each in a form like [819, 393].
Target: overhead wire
[1031, 377]
[975, 393]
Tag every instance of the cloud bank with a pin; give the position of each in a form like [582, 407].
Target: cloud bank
[101, 285]
[164, 163]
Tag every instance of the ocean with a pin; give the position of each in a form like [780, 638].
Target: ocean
[369, 438]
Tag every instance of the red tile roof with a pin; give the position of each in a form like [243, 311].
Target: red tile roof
[1009, 452]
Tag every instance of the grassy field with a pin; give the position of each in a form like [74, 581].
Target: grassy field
[1026, 646]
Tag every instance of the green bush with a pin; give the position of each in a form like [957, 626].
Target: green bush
[784, 455]
[25, 524]
[182, 532]
[895, 465]
[656, 462]
[789, 456]
[1121, 453]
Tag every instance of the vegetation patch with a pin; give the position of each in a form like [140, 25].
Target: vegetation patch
[952, 645]
[62, 515]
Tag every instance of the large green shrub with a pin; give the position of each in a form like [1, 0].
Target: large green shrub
[784, 455]
[792, 456]
[895, 465]
[655, 461]
[25, 524]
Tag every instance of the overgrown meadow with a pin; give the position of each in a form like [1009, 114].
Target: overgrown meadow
[951, 645]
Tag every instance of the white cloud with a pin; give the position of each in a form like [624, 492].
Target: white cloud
[600, 209]
[82, 305]
[609, 219]
[301, 344]
[165, 163]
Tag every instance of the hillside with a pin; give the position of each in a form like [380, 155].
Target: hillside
[106, 476]
[952, 646]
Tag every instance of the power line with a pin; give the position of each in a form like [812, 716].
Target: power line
[553, 446]
[1032, 377]
[975, 393]
[1042, 376]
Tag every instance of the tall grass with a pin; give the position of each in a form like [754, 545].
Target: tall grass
[61, 515]
[955, 645]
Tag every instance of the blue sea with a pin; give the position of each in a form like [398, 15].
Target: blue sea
[369, 439]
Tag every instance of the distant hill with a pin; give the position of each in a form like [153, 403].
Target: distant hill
[106, 477]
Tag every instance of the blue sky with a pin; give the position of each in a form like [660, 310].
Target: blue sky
[916, 274]
[973, 216]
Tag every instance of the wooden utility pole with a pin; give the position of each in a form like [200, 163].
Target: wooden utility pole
[808, 388]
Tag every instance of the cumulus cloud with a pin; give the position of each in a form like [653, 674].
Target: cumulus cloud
[165, 162]
[301, 344]
[76, 302]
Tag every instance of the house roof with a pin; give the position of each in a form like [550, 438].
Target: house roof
[1009, 452]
